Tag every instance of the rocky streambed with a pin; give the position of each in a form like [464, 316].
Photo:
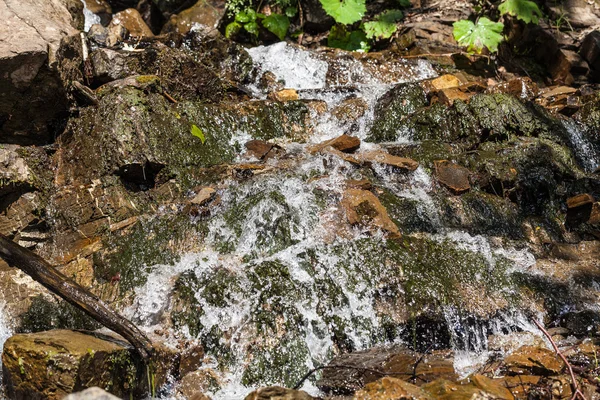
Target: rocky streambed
[368, 226]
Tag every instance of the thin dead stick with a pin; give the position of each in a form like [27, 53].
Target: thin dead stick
[576, 390]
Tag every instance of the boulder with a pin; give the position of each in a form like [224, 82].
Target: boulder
[101, 8]
[52, 364]
[258, 148]
[33, 98]
[93, 393]
[364, 208]
[284, 95]
[204, 15]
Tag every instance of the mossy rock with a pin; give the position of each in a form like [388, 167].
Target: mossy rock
[132, 127]
[44, 314]
[487, 117]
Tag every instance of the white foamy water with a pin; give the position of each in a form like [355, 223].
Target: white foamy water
[583, 148]
[89, 17]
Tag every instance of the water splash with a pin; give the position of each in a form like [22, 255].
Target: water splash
[584, 149]
[89, 17]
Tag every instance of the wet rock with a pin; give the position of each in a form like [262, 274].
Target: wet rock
[393, 362]
[391, 388]
[449, 95]
[579, 209]
[581, 323]
[494, 387]
[344, 144]
[523, 88]
[363, 208]
[534, 361]
[590, 51]
[34, 99]
[204, 15]
[133, 127]
[259, 148]
[284, 95]
[93, 393]
[445, 82]
[403, 100]
[578, 13]
[447, 390]
[132, 22]
[53, 364]
[194, 383]
[203, 196]
[278, 393]
[453, 176]
[350, 110]
[375, 156]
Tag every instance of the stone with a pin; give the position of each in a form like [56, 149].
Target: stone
[204, 196]
[445, 82]
[395, 362]
[577, 13]
[93, 393]
[375, 156]
[493, 387]
[196, 382]
[448, 96]
[52, 364]
[33, 96]
[344, 143]
[579, 209]
[523, 88]
[533, 361]
[443, 389]
[204, 15]
[350, 110]
[590, 51]
[391, 388]
[452, 176]
[278, 393]
[364, 208]
[284, 95]
[132, 21]
[258, 148]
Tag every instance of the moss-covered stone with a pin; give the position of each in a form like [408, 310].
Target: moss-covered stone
[134, 127]
[45, 314]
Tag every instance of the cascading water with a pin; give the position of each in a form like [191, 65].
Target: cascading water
[281, 284]
[583, 148]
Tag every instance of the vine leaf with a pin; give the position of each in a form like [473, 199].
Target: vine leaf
[341, 38]
[475, 37]
[278, 24]
[345, 11]
[198, 133]
[524, 10]
[384, 26]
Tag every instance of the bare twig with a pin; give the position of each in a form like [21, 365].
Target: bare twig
[576, 391]
[300, 13]
[312, 371]
[169, 97]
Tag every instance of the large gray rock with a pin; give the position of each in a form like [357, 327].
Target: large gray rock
[93, 393]
[31, 94]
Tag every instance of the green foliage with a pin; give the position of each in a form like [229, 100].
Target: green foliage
[341, 38]
[404, 3]
[277, 24]
[384, 26]
[198, 133]
[345, 11]
[524, 10]
[475, 37]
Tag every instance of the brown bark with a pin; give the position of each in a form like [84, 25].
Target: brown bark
[42, 272]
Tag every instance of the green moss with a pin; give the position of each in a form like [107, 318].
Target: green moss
[44, 315]
[147, 244]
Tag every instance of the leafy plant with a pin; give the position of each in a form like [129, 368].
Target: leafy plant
[524, 10]
[384, 26]
[248, 20]
[198, 133]
[485, 33]
[278, 24]
[342, 38]
[345, 11]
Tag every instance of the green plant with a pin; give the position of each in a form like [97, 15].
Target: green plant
[198, 133]
[485, 33]
[250, 21]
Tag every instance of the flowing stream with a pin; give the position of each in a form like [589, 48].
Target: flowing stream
[283, 287]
